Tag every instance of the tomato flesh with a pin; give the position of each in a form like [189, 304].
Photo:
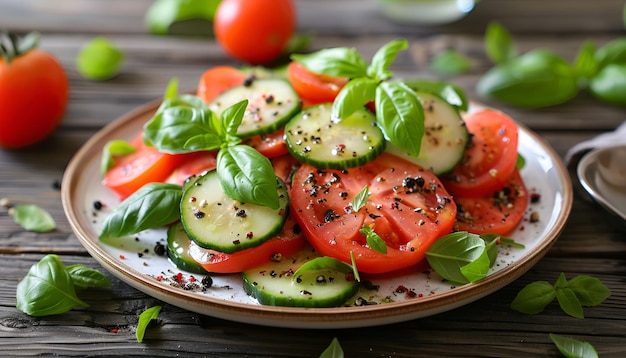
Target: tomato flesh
[270, 145]
[314, 88]
[216, 80]
[193, 164]
[498, 213]
[490, 157]
[408, 208]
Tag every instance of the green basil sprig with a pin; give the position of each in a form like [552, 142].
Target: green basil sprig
[153, 205]
[463, 257]
[374, 241]
[144, 320]
[399, 112]
[32, 218]
[49, 288]
[541, 78]
[573, 348]
[572, 295]
[333, 350]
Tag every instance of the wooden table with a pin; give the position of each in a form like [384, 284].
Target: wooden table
[589, 245]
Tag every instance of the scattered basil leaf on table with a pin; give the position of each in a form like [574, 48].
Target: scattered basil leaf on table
[573, 348]
[99, 59]
[374, 241]
[534, 297]
[181, 17]
[586, 63]
[569, 302]
[333, 350]
[589, 290]
[112, 149]
[450, 62]
[499, 43]
[32, 218]
[609, 85]
[144, 320]
[153, 205]
[47, 289]
[86, 277]
[360, 199]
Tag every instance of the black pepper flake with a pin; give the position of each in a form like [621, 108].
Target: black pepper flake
[159, 249]
[97, 205]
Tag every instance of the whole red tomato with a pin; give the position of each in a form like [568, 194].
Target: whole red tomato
[254, 31]
[34, 92]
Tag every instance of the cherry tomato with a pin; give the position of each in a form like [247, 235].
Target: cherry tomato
[498, 213]
[34, 92]
[254, 31]
[314, 88]
[288, 242]
[408, 208]
[216, 80]
[141, 167]
[490, 157]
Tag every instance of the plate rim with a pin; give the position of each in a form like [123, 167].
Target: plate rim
[298, 317]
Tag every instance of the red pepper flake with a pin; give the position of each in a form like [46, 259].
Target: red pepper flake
[192, 279]
[122, 257]
[159, 278]
[115, 330]
[179, 277]
[420, 295]
[249, 235]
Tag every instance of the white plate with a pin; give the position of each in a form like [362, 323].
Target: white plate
[134, 262]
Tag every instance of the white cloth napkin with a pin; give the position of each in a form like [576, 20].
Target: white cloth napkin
[618, 136]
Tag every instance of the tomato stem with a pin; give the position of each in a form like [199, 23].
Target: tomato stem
[11, 46]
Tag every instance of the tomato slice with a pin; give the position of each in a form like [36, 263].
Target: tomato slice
[498, 213]
[216, 80]
[144, 166]
[490, 157]
[287, 243]
[194, 164]
[270, 145]
[314, 88]
[408, 208]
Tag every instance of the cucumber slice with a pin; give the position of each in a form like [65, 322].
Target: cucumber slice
[271, 103]
[445, 136]
[313, 137]
[215, 221]
[178, 250]
[273, 284]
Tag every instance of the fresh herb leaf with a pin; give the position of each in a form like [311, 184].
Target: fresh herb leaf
[589, 290]
[85, 277]
[247, 176]
[573, 348]
[374, 241]
[353, 96]
[171, 91]
[47, 289]
[613, 52]
[360, 199]
[144, 320]
[569, 302]
[153, 205]
[534, 297]
[449, 92]
[609, 85]
[338, 62]
[99, 59]
[112, 149]
[561, 282]
[586, 64]
[321, 263]
[232, 118]
[477, 269]
[450, 253]
[400, 116]
[451, 62]
[355, 269]
[382, 59]
[520, 162]
[32, 218]
[334, 350]
[499, 43]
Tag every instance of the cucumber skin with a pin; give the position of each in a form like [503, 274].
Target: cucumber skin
[297, 149]
[178, 259]
[284, 270]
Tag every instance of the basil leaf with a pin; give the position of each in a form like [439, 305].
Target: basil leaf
[451, 93]
[32, 218]
[47, 289]
[569, 303]
[572, 348]
[171, 91]
[478, 268]
[112, 149]
[534, 297]
[183, 129]
[450, 62]
[99, 59]
[609, 85]
[536, 79]
[589, 290]
[232, 117]
[355, 270]
[491, 246]
[586, 64]
[613, 52]
[334, 350]
[153, 205]
[520, 162]
[321, 263]
[499, 43]
[451, 252]
[144, 320]
[353, 96]
[400, 116]
[374, 241]
[247, 176]
[360, 199]
[382, 59]
[85, 277]
[338, 62]
[561, 282]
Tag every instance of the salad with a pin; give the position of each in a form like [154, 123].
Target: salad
[307, 178]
